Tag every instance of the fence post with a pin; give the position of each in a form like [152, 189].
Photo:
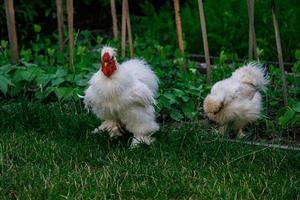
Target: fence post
[60, 24]
[179, 30]
[124, 15]
[205, 41]
[11, 29]
[252, 37]
[114, 18]
[279, 52]
[129, 33]
[70, 32]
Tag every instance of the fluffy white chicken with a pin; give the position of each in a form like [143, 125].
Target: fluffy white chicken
[237, 100]
[122, 95]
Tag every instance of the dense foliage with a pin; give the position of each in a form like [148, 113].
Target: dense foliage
[44, 76]
[227, 25]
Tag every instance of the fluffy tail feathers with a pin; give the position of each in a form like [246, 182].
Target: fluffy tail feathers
[212, 104]
[252, 73]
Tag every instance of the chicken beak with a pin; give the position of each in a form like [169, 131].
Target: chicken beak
[105, 64]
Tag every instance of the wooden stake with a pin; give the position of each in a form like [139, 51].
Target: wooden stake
[129, 33]
[60, 24]
[124, 15]
[205, 41]
[114, 19]
[178, 26]
[179, 30]
[11, 29]
[279, 52]
[252, 36]
[70, 32]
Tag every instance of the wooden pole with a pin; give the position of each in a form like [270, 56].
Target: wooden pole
[250, 44]
[114, 19]
[11, 29]
[279, 52]
[129, 33]
[179, 30]
[178, 26]
[60, 24]
[205, 41]
[70, 32]
[124, 15]
[252, 36]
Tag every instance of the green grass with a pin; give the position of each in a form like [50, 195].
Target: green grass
[48, 152]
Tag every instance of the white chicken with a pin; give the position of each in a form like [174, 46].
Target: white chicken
[237, 100]
[122, 95]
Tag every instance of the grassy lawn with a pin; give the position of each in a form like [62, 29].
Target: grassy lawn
[48, 152]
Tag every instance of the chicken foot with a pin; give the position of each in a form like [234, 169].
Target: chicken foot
[111, 126]
[240, 134]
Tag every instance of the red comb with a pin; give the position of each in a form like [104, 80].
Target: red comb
[106, 57]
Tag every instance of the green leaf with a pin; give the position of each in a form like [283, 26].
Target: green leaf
[14, 91]
[297, 54]
[4, 84]
[82, 82]
[176, 115]
[171, 97]
[37, 28]
[164, 101]
[27, 74]
[28, 64]
[61, 72]
[185, 98]
[57, 81]
[4, 44]
[178, 93]
[43, 80]
[43, 94]
[189, 110]
[296, 107]
[64, 93]
[288, 115]
[5, 69]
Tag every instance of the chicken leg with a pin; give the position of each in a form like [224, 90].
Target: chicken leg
[241, 134]
[111, 126]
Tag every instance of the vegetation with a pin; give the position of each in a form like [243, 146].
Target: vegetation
[46, 146]
[155, 20]
[54, 156]
[43, 75]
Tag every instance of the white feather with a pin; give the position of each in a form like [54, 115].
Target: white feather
[126, 97]
[237, 99]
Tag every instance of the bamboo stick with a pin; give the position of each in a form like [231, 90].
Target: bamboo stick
[252, 36]
[129, 33]
[70, 32]
[114, 19]
[250, 48]
[179, 30]
[279, 52]
[205, 41]
[178, 26]
[11, 29]
[60, 24]
[124, 15]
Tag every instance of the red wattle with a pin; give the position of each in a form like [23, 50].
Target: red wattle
[109, 69]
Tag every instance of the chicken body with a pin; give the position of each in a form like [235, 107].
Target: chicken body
[237, 100]
[125, 98]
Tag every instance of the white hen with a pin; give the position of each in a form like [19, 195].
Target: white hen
[122, 95]
[237, 100]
